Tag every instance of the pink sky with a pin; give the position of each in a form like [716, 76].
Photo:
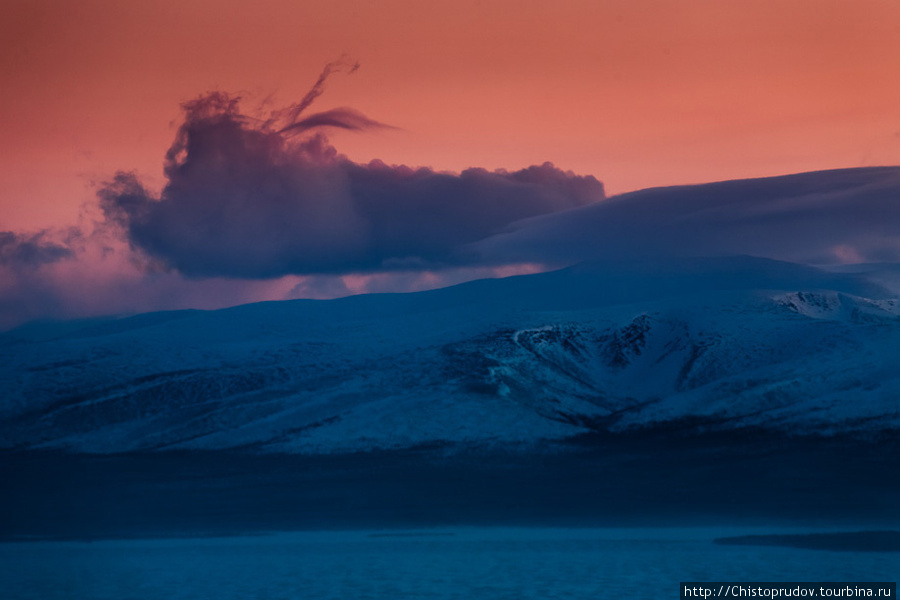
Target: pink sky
[637, 93]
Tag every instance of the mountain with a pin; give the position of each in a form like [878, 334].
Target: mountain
[694, 345]
[819, 218]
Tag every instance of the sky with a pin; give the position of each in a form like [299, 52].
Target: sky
[629, 94]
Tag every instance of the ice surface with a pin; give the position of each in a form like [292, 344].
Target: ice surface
[444, 564]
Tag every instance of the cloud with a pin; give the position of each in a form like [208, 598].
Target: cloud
[19, 251]
[820, 218]
[97, 278]
[343, 64]
[245, 199]
[265, 208]
[342, 118]
[334, 286]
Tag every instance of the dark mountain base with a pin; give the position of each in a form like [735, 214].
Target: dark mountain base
[635, 479]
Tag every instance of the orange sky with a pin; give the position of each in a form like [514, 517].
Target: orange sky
[636, 92]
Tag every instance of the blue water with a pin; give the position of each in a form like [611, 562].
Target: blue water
[463, 563]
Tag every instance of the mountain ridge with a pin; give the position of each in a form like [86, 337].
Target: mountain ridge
[732, 342]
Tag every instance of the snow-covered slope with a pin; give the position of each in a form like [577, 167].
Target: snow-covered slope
[697, 344]
[820, 218]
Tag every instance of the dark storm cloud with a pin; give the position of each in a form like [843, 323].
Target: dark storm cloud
[249, 198]
[842, 216]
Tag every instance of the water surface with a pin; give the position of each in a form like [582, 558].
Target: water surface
[458, 563]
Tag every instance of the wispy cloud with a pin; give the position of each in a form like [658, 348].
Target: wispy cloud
[23, 251]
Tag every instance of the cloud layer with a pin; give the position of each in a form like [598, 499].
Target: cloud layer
[819, 218]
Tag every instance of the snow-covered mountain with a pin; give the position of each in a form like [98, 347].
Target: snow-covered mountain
[819, 218]
[695, 344]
